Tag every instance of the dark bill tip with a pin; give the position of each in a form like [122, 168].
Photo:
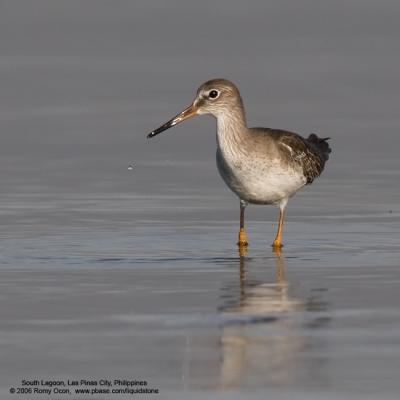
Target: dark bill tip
[188, 112]
[162, 128]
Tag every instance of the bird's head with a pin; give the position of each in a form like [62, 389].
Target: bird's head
[217, 97]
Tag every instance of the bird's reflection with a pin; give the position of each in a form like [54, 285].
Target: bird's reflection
[263, 337]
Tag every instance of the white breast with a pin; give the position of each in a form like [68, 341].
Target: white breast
[249, 171]
[258, 179]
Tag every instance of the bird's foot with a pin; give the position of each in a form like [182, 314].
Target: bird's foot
[242, 241]
[277, 245]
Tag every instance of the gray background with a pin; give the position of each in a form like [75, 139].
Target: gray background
[107, 272]
[83, 82]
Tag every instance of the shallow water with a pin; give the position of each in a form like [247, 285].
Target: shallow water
[153, 287]
[111, 273]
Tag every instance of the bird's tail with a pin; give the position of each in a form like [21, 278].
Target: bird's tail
[321, 144]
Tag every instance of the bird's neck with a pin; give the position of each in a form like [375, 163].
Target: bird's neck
[231, 130]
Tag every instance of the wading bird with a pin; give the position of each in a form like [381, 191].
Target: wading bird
[260, 165]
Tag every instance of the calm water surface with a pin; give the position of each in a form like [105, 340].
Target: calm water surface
[127, 283]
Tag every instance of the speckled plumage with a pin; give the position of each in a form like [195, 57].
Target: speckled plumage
[310, 154]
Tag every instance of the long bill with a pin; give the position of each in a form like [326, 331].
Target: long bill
[187, 113]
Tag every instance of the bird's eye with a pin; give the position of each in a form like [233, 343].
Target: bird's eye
[213, 94]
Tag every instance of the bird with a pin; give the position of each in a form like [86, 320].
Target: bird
[260, 165]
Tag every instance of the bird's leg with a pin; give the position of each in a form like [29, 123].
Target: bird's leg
[277, 243]
[242, 242]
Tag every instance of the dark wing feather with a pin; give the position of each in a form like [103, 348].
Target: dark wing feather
[310, 154]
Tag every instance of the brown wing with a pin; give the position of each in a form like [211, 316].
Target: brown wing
[301, 151]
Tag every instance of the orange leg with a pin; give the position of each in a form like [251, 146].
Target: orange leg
[242, 241]
[277, 244]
